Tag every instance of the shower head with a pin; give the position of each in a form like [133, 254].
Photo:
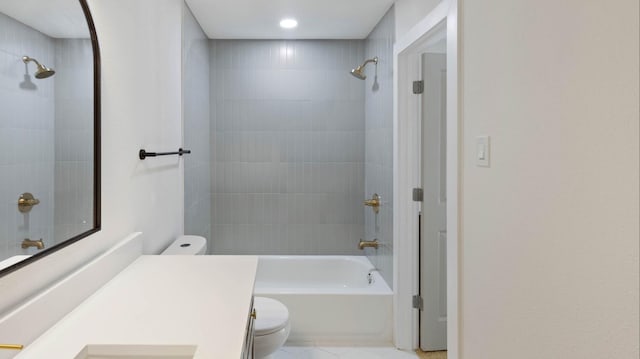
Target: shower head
[42, 72]
[358, 72]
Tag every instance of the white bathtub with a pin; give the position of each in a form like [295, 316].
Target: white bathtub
[330, 299]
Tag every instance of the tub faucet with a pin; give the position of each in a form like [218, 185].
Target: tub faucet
[363, 244]
[26, 243]
[12, 346]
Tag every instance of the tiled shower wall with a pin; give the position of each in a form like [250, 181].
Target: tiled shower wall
[26, 136]
[196, 119]
[46, 137]
[379, 143]
[73, 190]
[287, 147]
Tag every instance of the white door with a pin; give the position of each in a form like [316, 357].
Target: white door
[433, 222]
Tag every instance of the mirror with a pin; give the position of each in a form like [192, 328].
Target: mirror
[49, 128]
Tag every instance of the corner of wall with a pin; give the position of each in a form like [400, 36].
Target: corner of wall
[379, 143]
[410, 12]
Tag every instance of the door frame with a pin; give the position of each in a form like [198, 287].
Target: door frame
[406, 172]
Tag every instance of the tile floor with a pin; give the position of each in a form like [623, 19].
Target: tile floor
[343, 353]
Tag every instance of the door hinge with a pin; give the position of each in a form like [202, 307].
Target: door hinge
[418, 87]
[417, 302]
[417, 194]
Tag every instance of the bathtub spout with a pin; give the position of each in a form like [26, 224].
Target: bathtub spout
[363, 244]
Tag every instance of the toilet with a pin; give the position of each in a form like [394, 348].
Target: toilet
[271, 326]
[272, 317]
[188, 246]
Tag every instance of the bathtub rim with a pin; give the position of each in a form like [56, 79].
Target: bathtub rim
[379, 287]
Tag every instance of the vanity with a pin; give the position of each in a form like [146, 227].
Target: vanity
[81, 304]
[172, 307]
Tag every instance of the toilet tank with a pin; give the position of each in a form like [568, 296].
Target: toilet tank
[187, 245]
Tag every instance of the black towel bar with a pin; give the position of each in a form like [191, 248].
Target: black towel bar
[144, 154]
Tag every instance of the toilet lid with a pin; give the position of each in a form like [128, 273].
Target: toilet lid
[271, 315]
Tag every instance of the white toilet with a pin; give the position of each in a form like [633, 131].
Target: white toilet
[271, 326]
[272, 317]
[187, 245]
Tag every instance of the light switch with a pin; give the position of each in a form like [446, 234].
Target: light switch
[482, 151]
[482, 154]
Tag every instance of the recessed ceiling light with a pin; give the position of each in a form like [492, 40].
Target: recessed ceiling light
[288, 23]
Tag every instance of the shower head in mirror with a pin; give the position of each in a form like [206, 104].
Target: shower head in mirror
[42, 72]
[358, 72]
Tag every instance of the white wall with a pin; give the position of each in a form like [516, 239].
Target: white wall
[141, 69]
[550, 230]
[410, 12]
[141, 109]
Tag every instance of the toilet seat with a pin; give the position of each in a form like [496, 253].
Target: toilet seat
[271, 316]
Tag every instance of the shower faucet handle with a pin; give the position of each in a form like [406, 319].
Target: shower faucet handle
[26, 201]
[374, 202]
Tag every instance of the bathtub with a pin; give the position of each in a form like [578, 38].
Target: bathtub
[330, 299]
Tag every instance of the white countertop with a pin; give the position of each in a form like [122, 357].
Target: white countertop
[161, 300]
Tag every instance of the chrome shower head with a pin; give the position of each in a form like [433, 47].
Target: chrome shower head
[42, 72]
[358, 72]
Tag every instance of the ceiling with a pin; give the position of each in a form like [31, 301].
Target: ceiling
[317, 19]
[225, 19]
[55, 18]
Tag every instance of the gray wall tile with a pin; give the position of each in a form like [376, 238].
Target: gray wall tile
[378, 143]
[198, 169]
[288, 134]
[27, 140]
[73, 137]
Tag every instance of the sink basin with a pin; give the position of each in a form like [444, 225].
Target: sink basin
[102, 351]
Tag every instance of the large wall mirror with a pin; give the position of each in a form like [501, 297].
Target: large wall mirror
[49, 128]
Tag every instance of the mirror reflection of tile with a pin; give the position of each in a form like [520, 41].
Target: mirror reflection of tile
[46, 94]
